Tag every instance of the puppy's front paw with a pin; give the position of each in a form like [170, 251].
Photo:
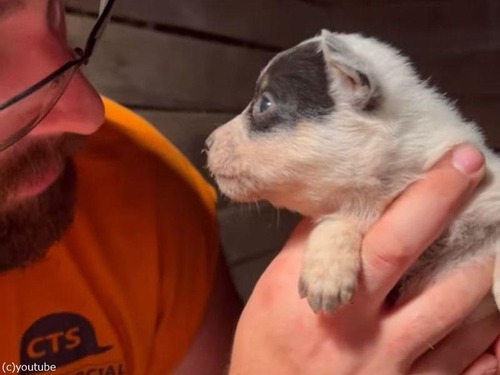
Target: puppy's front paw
[329, 274]
[326, 290]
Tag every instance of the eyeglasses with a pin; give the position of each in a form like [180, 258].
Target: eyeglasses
[20, 114]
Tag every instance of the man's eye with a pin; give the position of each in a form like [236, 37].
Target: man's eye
[264, 104]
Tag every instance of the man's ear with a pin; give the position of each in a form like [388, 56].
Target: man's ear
[351, 81]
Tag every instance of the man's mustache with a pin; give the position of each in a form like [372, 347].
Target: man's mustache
[34, 157]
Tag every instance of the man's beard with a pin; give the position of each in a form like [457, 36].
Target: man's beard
[30, 226]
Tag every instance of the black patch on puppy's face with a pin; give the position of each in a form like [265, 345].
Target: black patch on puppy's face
[293, 88]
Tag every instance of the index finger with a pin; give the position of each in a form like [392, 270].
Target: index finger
[416, 219]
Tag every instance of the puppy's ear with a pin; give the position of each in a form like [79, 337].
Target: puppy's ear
[351, 81]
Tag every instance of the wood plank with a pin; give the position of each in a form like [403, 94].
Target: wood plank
[247, 231]
[143, 68]
[421, 46]
[270, 22]
[187, 131]
[472, 74]
[486, 113]
[282, 23]
[410, 16]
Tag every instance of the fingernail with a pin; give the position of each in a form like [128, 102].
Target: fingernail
[467, 159]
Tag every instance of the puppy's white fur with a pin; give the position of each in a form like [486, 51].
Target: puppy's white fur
[345, 174]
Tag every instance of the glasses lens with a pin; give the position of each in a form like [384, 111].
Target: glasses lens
[18, 119]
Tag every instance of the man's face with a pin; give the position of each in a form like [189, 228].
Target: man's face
[37, 178]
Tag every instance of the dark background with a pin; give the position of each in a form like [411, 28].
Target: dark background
[190, 65]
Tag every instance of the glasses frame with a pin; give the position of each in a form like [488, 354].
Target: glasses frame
[82, 59]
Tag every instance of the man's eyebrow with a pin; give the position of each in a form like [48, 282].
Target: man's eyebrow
[9, 6]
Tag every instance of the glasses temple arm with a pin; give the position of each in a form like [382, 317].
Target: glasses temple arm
[97, 30]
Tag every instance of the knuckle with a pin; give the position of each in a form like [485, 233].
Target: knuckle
[388, 252]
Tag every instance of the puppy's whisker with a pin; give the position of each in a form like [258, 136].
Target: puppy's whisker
[257, 206]
[278, 218]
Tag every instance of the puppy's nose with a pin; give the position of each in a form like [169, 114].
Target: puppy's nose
[209, 142]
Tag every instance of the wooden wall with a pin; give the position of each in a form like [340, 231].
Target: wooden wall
[189, 66]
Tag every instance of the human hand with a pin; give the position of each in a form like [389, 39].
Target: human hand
[279, 334]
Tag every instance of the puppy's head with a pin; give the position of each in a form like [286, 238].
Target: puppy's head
[312, 129]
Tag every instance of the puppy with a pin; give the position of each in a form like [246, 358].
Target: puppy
[338, 126]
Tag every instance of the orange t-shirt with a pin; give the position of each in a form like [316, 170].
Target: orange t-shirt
[125, 290]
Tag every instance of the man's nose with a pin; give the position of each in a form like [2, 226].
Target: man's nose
[79, 109]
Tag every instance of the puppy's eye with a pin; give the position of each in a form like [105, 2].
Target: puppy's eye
[264, 104]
